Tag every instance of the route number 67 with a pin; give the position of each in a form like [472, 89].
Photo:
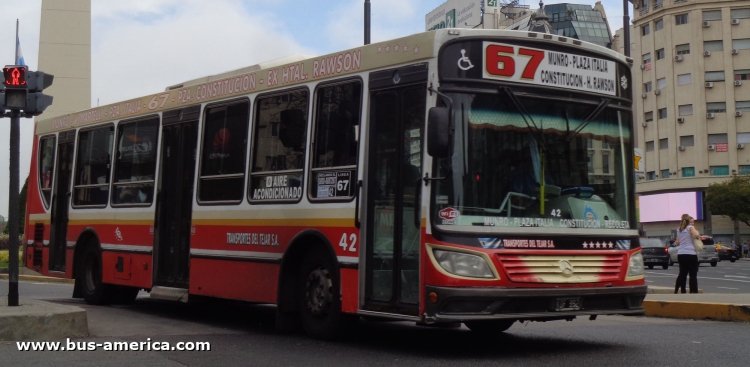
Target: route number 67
[500, 60]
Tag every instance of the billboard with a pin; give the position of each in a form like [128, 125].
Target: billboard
[670, 206]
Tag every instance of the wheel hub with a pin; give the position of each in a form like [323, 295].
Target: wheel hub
[318, 291]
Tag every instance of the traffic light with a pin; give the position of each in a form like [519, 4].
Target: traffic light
[15, 86]
[36, 101]
[23, 90]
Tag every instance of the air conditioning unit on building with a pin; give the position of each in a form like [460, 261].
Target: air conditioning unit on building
[681, 148]
[644, 124]
[657, 91]
[712, 147]
[735, 22]
[706, 24]
[678, 58]
[738, 114]
[680, 120]
[737, 83]
[735, 51]
[710, 115]
[644, 95]
[740, 146]
[706, 53]
[709, 84]
[643, 66]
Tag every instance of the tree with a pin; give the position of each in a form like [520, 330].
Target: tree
[731, 198]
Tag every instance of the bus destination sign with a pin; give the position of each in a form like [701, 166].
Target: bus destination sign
[522, 64]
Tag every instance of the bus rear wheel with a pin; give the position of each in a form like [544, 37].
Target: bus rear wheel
[489, 327]
[90, 278]
[320, 303]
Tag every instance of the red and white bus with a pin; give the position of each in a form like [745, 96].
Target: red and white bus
[475, 176]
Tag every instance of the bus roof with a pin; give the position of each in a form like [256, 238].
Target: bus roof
[269, 76]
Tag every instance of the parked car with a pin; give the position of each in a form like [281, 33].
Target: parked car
[655, 253]
[709, 254]
[726, 252]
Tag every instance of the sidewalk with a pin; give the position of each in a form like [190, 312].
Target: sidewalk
[662, 302]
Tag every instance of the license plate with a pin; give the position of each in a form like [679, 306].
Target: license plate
[568, 304]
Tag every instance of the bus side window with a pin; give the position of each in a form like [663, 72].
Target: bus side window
[135, 165]
[338, 110]
[279, 146]
[46, 166]
[222, 170]
[93, 164]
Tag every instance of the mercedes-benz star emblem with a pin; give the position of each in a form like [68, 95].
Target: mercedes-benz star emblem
[566, 268]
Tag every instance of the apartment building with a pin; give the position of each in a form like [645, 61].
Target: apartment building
[692, 107]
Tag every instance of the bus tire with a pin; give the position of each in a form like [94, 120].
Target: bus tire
[90, 277]
[320, 301]
[489, 327]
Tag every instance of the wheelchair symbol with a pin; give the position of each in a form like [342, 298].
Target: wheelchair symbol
[464, 63]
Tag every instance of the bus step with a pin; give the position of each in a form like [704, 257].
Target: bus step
[169, 294]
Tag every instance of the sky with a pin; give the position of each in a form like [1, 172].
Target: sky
[138, 47]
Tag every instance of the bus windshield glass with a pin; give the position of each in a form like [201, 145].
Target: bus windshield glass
[520, 160]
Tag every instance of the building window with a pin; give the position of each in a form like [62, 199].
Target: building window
[648, 86]
[711, 15]
[651, 175]
[279, 146]
[222, 171]
[744, 169]
[685, 110]
[660, 54]
[714, 76]
[713, 46]
[658, 24]
[662, 113]
[719, 170]
[687, 141]
[658, 4]
[663, 144]
[650, 146]
[740, 13]
[684, 79]
[648, 116]
[646, 61]
[683, 49]
[718, 139]
[680, 19]
[716, 107]
[741, 44]
[742, 74]
[688, 171]
[661, 83]
[645, 29]
[605, 162]
[743, 106]
[665, 173]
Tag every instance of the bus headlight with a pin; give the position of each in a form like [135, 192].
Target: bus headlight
[463, 264]
[635, 267]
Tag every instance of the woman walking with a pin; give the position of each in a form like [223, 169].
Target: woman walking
[687, 257]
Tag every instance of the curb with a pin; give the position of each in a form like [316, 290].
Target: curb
[697, 310]
[40, 320]
[39, 278]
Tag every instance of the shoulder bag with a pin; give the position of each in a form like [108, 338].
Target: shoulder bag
[698, 244]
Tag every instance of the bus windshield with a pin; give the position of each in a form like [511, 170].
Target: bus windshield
[521, 160]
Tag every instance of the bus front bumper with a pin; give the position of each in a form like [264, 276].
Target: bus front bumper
[468, 304]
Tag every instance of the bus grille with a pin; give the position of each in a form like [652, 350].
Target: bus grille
[562, 269]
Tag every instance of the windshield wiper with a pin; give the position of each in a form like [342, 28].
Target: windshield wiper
[594, 114]
[523, 112]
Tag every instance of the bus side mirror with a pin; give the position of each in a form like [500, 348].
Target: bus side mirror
[438, 132]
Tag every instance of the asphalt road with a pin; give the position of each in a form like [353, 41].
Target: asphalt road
[725, 277]
[243, 335]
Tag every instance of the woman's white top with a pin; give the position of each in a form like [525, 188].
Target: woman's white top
[686, 242]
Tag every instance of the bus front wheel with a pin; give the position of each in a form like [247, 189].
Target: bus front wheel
[320, 303]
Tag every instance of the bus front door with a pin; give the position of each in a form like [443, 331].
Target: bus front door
[392, 226]
[61, 201]
[175, 198]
